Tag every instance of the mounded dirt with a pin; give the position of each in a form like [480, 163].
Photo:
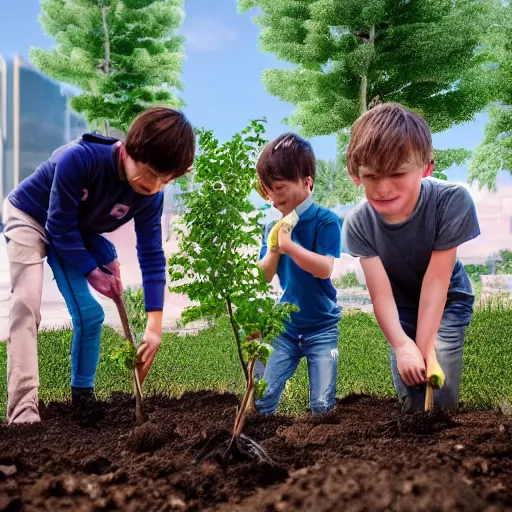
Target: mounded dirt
[365, 455]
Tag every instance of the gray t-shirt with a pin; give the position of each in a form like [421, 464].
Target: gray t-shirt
[444, 217]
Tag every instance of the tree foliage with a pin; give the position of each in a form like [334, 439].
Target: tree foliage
[495, 152]
[334, 186]
[445, 158]
[216, 265]
[124, 55]
[427, 55]
[431, 56]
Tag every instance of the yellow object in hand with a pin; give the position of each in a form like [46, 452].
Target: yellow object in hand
[273, 237]
[436, 378]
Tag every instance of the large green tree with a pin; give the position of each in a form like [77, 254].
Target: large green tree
[333, 185]
[124, 55]
[426, 54]
[495, 152]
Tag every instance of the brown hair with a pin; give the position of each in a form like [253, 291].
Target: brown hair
[385, 137]
[163, 139]
[288, 158]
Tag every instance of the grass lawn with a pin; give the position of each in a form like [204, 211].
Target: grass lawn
[209, 361]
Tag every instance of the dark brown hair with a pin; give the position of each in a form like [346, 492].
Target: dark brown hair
[288, 158]
[387, 136]
[163, 139]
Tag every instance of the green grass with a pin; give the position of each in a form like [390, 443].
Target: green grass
[209, 361]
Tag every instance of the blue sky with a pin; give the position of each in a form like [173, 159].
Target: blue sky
[222, 73]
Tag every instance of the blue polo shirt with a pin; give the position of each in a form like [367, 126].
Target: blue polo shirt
[318, 230]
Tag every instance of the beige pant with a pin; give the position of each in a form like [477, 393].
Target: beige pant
[26, 250]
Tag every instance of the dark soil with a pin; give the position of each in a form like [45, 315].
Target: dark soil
[365, 455]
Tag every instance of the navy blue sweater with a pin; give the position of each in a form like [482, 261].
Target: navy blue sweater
[78, 192]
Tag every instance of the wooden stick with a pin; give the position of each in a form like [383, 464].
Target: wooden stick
[429, 397]
[128, 335]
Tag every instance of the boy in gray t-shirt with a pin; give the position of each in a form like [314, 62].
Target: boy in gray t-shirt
[406, 234]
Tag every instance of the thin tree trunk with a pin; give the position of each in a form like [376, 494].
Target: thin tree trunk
[237, 337]
[364, 87]
[107, 56]
[364, 78]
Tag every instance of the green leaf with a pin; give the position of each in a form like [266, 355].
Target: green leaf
[126, 356]
[260, 387]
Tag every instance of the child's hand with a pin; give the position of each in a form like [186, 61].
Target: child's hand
[115, 268]
[285, 240]
[106, 284]
[147, 351]
[411, 364]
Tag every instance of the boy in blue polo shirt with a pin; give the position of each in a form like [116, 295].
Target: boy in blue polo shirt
[304, 263]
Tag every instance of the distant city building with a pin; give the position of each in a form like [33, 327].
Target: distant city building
[35, 119]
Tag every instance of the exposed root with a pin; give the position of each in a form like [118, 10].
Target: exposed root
[420, 423]
[226, 449]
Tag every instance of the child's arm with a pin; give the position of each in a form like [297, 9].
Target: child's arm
[321, 263]
[69, 181]
[409, 358]
[316, 264]
[151, 257]
[269, 264]
[457, 224]
[434, 290]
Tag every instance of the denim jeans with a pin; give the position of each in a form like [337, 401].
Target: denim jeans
[449, 347]
[86, 313]
[320, 349]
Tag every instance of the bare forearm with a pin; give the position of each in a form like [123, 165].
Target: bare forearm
[434, 290]
[384, 305]
[316, 264]
[151, 343]
[430, 313]
[155, 321]
[386, 314]
[269, 264]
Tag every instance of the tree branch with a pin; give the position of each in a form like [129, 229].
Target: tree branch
[364, 78]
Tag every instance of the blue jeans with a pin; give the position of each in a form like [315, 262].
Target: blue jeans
[449, 348]
[86, 313]
[320, 349]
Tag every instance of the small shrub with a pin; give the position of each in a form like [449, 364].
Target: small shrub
[348, 280]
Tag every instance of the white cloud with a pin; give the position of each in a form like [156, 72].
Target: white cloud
[207, 36]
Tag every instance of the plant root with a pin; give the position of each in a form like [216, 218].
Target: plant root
[225, 449]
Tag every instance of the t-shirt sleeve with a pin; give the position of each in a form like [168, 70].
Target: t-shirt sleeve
[328, 237]
[355, 236]
[457, 220]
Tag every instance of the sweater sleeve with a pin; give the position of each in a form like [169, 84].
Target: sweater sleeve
[68, 187]
[148, 228]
